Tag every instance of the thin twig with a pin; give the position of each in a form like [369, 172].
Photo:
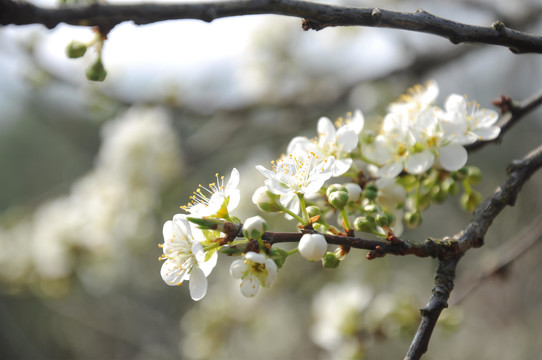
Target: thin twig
[506, 255]
[315, 16]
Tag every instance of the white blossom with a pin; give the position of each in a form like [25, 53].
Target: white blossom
[217, 200]
[254, 270]
[185, 258]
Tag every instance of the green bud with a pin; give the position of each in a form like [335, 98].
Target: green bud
[469, 202]
[474, 175]
[330, 261]
[363, 223]
[391, 218]
[424, 201]
[431, 179]
[321, 228]
[407, 181]
[338, 199]
[76, 49]
[438, 194]
[334, 187]
[413, 219]
[460, 174]
[96, 72]
[382, 220]
[371, 192]
[450, 186]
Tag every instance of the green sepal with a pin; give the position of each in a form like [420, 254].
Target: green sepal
[233, 250]
[206, 223]
[278, 255]
[209, 254]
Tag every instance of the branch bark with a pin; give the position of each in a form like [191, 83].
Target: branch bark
[315, 16]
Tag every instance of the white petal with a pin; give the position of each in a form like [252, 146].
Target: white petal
[488, 133]
[452, 157]
[391, 170]
[276, 187]
[172, 273]
[266, 172]
[419, 162]
[326, 129]
[209, 265]
[233, 182]
[250, 286]
[183, 224]
[347, 139]
[298, 143]
[456, 103]
[197, 284]
[342, 166]
[238, 269]
[358, 122]
[271, 269]
[255, 257]
[235, 197]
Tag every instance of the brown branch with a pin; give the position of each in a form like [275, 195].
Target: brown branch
[512, 111]
[519, 172]
[316, 16]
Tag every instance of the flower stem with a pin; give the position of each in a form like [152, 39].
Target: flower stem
[291, 213]
[293, 251]
[303, 209]
[345, 219]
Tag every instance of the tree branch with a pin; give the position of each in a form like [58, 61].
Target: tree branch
[315, 16]
[519, 172]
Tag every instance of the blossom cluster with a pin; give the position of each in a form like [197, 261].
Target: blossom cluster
[349, 178]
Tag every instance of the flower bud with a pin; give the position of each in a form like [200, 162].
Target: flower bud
[450, 186]
[334, 187]
[469, 202]
[460, 174]
[76, 49]
[474, 175]
[330, 261]
[338, 199]
[266, 200]
[313, 211]
[354, 192]
[382, 220]
[364, 223]
[413, 219]
[424, 201]
[96, 72]
[254, 227]
[312, 246]
[438, 194]
[371, 192]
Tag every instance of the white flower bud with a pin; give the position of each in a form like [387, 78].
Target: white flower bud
[312, 246]
[254, 227]
[354, 191]
[265, 200]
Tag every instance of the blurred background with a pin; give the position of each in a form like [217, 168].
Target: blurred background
[91, 171]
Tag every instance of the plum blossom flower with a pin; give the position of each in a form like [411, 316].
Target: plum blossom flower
[254, 270]
[337, 142]
[297, 174]
[185, 258]
[312, 246]
[467, 122]
[217, 200]
[416, 99]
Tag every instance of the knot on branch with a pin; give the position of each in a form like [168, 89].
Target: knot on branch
[505, 104]
[499, 27]
[308, 24]
[377, 15]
